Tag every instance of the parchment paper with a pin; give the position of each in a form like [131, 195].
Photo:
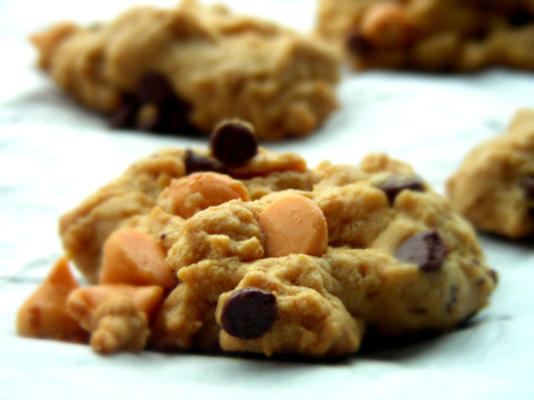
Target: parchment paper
[53, 153]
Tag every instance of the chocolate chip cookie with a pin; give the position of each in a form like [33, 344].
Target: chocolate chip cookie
[436, 35]
[184, 69]
[190, 248]
[494, 186]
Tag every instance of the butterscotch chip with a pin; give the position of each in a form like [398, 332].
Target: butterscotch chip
[294, 224]
[132, 257]
[386, 25]
[188, 195]
[44, 314]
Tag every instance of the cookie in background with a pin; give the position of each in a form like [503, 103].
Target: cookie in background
[182, 70]
[494, 185]
[433, 35]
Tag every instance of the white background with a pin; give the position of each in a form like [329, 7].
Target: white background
[53, 153]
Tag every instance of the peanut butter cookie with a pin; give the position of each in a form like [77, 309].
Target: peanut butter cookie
[435, 35]
[262, 254]
[184, 69]
[494, 186]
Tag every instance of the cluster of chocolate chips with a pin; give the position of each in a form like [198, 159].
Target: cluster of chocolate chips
[153, 107]
[233, 144]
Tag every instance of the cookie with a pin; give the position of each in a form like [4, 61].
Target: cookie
[494, 185]
[184, 69]
[265, 255]
[433, 35]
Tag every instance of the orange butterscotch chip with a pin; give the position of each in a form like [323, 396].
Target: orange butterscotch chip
[47, 41]
[133, 257]
[294, 224]
[198, 191]
[84, 302]
[386, 24]
[44, 313]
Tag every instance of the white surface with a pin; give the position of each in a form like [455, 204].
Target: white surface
[53, 153]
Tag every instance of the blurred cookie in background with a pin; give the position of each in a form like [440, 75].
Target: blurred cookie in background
[184, 69]
[433, 35]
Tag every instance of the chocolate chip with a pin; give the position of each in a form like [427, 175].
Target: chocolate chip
[480, 33]
[425, 249]
[169, 117]
[527, 182]
[196, 163]
[153, 88]
[249, 313]
[396, 183]
[125, 114]
[358, 44]
[233, 142]
[520, 18]
[175, 116]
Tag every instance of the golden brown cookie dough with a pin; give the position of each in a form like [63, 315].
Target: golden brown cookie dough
[436, 35]
[300, 261]
[494, 186]
[182, 70]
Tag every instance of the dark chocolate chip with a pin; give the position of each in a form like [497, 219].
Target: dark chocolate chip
[175, 116]
[521, 18]
[527, 182]
[172, 116]
[425, 249]
[233, 143]
[394, 184]
[480, 33]
[153, 88]
[125, 114]
[249, 313]
[358, 44]
[196, 163]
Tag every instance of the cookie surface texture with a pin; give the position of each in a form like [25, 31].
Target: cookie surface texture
[493, 186]
[434, 35]
[182, 70]
[385, 254]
